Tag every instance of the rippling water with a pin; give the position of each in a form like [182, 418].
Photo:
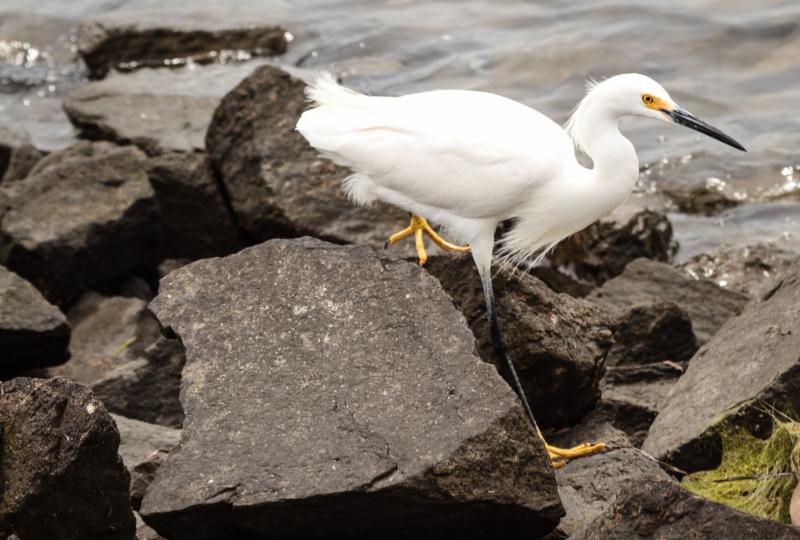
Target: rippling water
[734, 63]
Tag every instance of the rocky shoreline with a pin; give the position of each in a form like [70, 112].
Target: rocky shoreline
[201, 338]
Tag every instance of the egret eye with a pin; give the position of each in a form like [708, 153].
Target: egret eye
[648, 99]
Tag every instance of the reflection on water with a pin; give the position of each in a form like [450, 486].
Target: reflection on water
[731, 62]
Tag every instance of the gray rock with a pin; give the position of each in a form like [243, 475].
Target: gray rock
[128, 39]
[143, 532]
[644, 281]
[634, 395]
[749, 270]
[62, 477]
[147, 388]
[277, 184]
[157, 110]
[749, 366]
[651, 332]
[333, 385]
[107, 332]
[589, 485]
[558, 343]
[656, 509]
[81, 223]
[33, 332]
[143, 448]
[594, 427]
[17, 155]
[197, 221]
[603, 250]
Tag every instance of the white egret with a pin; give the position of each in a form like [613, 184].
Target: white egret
[468, 160]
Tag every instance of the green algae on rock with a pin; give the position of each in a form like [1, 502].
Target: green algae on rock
[756, 476]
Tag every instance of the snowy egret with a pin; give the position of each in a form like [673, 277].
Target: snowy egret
[468, 160]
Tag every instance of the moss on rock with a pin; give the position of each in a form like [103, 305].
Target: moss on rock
[756, 476]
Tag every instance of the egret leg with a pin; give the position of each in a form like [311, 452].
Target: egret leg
[558, 456]
[418, 227]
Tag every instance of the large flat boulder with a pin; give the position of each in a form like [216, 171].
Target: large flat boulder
[750, 365]
[33, 332]
[157, 110]
[278, 185]
[652, 508]
[62, 477]
[645, 281]
[558, 343]
[334, 386]
[83, 222]
[129, 39]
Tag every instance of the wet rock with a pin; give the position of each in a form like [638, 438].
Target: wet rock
[603, 250]
[277, 184]
[17, 155]
[107, 332]
[749, 270]
[33, 332]
[128, 39]
[655, 508]
[562, 281]
[157, 110]
[197, 222]
[143, 448]
[147, 388]
[644, 281]
[81, 223]
[334, 384]
[558, 343]
[749, 366]
[62, 477]
[589, 485]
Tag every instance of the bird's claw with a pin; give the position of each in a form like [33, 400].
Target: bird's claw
[560, 456]
[418, 227]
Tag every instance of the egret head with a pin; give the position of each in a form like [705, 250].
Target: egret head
[633, 94]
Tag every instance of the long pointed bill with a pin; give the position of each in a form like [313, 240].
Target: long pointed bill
[685, 118]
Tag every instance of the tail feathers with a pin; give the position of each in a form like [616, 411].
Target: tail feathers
[324, 89]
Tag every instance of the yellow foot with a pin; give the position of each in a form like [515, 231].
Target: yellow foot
[418, 227]
[560, 456]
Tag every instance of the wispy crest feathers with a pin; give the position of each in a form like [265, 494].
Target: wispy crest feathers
[324, 89]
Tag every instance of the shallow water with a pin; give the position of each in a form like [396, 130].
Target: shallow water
[733, 63]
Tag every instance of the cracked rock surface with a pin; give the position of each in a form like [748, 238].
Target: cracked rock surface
[331, 390]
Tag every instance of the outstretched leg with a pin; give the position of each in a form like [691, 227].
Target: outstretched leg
[558, 456]
[418, 227]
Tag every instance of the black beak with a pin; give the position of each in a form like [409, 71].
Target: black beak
[685, 118]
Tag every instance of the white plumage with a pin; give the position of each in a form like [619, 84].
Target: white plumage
[469, 160]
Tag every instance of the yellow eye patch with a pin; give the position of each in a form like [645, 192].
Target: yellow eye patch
[652, 102]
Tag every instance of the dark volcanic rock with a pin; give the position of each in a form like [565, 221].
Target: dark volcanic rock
[749, 270]
[143, 448]
[147, 388]
[107, 332]
[651, 332]
[644, 281]
[197, 222]
[132, 39]
[333, 391]
[750, 365]
[604, 249]
[656, 509]
[277, 184]
[558, 343]
[592, 427]
[81, 223]
[33, 332]
[589, 485]
[157, 110]
[62, 477]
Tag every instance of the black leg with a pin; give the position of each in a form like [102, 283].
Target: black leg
[499, 344]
